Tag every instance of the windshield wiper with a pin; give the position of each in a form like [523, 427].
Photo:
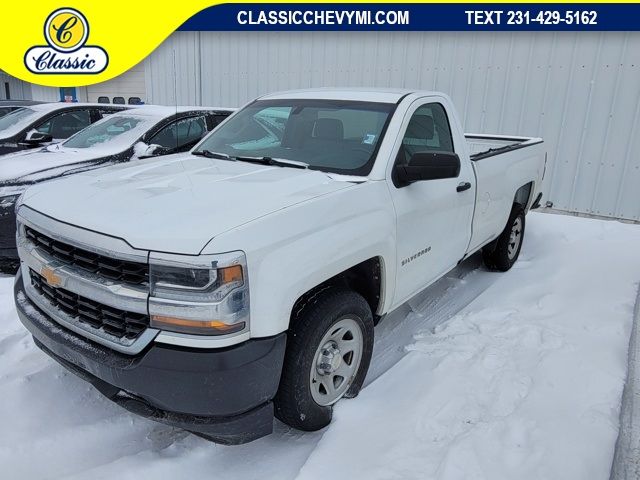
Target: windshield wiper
[210, 154]
[275, 162]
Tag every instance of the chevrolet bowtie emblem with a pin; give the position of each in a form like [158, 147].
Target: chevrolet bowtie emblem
[50, 276]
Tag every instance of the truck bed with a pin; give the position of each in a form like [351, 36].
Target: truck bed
[484, 146]
[511, 167]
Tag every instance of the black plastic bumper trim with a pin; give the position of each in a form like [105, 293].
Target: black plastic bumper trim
[223, 394]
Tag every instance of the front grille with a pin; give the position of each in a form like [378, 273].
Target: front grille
[113, 321]
[111, 268]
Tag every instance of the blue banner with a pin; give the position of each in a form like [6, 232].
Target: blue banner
[417, 17]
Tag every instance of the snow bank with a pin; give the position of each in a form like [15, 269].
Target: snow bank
[507, 376]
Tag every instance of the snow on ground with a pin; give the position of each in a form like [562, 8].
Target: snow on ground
[485, 375]
[523, 383]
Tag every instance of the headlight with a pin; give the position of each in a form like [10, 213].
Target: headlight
[195, 283]
[204, 295]
[10, 198]
[19, 201]
[9, 201]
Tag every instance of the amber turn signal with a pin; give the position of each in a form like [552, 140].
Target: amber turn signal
[231, 274]
[198, 327]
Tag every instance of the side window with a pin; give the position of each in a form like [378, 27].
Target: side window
[66, 124]
[428, 129]
[181, 133]
[217, 120]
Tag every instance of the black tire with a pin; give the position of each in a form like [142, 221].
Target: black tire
[294, 402]
[497, 254]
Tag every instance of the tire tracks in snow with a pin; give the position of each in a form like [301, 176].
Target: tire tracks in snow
[428, 309]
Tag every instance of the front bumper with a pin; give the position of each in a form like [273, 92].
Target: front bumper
[223, 394]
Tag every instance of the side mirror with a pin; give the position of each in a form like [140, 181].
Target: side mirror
[153, 150]
[36, 138]
[429, 165]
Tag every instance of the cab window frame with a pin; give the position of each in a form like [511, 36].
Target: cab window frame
[398, 159]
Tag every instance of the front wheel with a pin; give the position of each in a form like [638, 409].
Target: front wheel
[503, 253]
[328, 354]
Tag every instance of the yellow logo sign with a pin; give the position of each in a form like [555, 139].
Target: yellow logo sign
[66, 31]
[51, 277]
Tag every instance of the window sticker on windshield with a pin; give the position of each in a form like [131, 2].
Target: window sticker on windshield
[369, 138]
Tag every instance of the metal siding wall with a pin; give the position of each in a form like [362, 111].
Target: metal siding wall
[45, 94]
[18, 89]
[580, 92]
[129, 84]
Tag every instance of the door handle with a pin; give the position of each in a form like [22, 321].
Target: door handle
[463, 186]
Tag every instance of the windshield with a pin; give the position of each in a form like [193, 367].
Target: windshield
[112, 131]
[15, 121]
[329, 135]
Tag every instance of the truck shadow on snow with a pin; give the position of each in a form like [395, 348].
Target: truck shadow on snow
[432, 307]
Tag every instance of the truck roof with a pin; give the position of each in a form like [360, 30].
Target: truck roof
[382, 95]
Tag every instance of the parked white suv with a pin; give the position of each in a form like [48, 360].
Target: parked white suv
[209, 289]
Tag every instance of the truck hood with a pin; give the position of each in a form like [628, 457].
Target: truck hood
[176, 204]
[29, 166]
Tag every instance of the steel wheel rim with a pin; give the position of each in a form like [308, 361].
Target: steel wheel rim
[515, 237]
[336, 361]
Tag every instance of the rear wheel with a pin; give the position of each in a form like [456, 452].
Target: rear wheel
[328, 354]
[503, 253]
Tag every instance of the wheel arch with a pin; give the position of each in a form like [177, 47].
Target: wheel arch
[523, 195]
[521, 198]
[364, 278]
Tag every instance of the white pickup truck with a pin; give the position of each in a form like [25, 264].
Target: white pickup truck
[212, 289]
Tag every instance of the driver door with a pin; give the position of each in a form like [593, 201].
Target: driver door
[433, 216]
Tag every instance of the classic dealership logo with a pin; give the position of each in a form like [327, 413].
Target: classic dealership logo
[66, 31]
